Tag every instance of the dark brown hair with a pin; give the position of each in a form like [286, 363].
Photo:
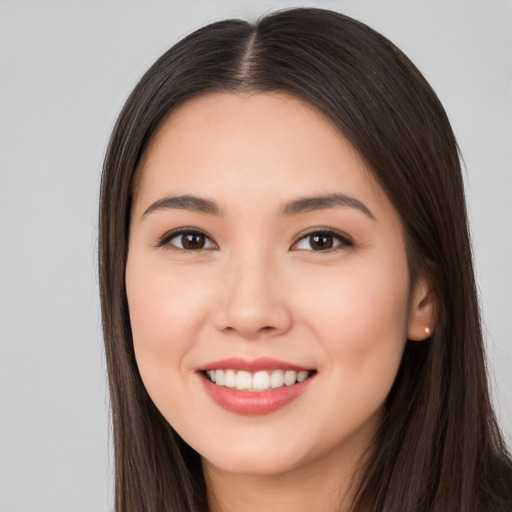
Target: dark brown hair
[439, 448]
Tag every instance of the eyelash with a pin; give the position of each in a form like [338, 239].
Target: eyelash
[344, 240]
[166, 239]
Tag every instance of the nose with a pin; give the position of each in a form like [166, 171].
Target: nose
[253, 301]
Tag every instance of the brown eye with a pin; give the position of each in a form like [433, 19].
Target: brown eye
[188, 241]
[322, 241]
[193, 241]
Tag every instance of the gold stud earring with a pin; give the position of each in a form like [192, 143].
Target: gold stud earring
[427, 330]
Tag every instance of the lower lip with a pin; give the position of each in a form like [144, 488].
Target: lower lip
[253, 403]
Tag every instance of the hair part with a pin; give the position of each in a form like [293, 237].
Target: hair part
[439, 447]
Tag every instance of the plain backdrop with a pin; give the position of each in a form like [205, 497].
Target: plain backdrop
[65, 70]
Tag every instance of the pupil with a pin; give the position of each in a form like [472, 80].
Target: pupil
[193, 241]
[321, 242]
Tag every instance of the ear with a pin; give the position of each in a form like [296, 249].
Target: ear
[421, 311]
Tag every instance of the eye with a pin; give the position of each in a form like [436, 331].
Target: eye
[325, 240]
[187, 240]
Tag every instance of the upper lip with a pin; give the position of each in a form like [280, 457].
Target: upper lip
[252, 365]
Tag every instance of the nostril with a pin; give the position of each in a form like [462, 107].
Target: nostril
[251, 332]
[258, 319]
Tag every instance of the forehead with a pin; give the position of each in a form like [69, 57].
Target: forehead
[262, 146]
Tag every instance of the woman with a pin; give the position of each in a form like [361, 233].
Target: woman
[288, 298]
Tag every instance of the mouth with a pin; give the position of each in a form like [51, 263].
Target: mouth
[254, 387]
[256, 382]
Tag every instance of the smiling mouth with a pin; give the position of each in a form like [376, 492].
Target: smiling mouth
[255, 387]
[264, 380]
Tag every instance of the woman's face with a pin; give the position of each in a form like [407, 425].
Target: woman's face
[262, 253]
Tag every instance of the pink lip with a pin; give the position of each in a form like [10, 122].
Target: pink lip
[253, 403]
[251, 365]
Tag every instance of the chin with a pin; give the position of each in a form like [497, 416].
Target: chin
[255, 463]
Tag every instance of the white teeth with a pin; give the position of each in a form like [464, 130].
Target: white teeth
[259, 381]
[290, 377]
[277, 379]
[230, 378]
[301, 376]
[219, 377]
[243, 380]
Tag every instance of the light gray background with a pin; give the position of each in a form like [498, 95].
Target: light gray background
[65, 69]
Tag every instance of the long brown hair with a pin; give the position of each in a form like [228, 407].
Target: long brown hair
[439, 448]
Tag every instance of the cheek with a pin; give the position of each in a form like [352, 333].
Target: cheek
[164, 302]
[360, 317]
[166, 314]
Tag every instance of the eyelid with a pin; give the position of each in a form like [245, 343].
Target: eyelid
[164, 240]
[346, 241]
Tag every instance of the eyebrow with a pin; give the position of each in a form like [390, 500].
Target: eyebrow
[308, 204]
[295, 207]
[191, 203]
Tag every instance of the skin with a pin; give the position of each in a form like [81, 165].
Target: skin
[258, 288]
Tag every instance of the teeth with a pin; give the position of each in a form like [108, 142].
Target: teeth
[277, 379]
[301, 376]
[219, 378]
[290, 377]
[259, 381]
[243, 380]
[230, 379]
